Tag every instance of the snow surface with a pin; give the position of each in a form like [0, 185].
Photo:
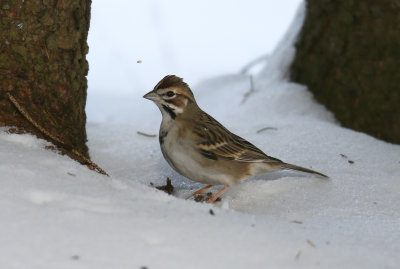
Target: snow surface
[56, 213]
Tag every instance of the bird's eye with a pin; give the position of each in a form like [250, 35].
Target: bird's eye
[170, 93]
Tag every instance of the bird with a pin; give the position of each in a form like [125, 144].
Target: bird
[200, 148]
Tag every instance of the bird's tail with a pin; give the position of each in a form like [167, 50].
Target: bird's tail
[302, 169]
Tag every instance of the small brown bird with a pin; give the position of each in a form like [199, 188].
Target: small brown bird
[200, 148]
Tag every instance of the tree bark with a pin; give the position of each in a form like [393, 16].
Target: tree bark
[43, 66]
[348, 54]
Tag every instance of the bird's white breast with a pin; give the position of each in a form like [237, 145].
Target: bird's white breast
[184, 158]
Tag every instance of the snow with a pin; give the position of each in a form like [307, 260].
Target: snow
[56, 213]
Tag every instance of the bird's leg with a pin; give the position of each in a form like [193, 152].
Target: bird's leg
[199, 191]
[215, 197]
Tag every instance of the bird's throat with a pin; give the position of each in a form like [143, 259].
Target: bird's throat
[170, 111]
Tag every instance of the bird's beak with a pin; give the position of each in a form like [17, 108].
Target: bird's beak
[151, 96]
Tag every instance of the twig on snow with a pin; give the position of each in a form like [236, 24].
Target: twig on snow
[57, 141]
[252, 89]
[147, 135]
[266, 128]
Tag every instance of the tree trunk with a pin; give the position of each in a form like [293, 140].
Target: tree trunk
[348, 54]
[43, 66]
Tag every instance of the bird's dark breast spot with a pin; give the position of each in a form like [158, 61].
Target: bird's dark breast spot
[170, 111]
[162, 136]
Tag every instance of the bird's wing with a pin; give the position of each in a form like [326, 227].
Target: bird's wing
[214, 141]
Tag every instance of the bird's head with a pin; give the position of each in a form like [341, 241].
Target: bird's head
[172, 96]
